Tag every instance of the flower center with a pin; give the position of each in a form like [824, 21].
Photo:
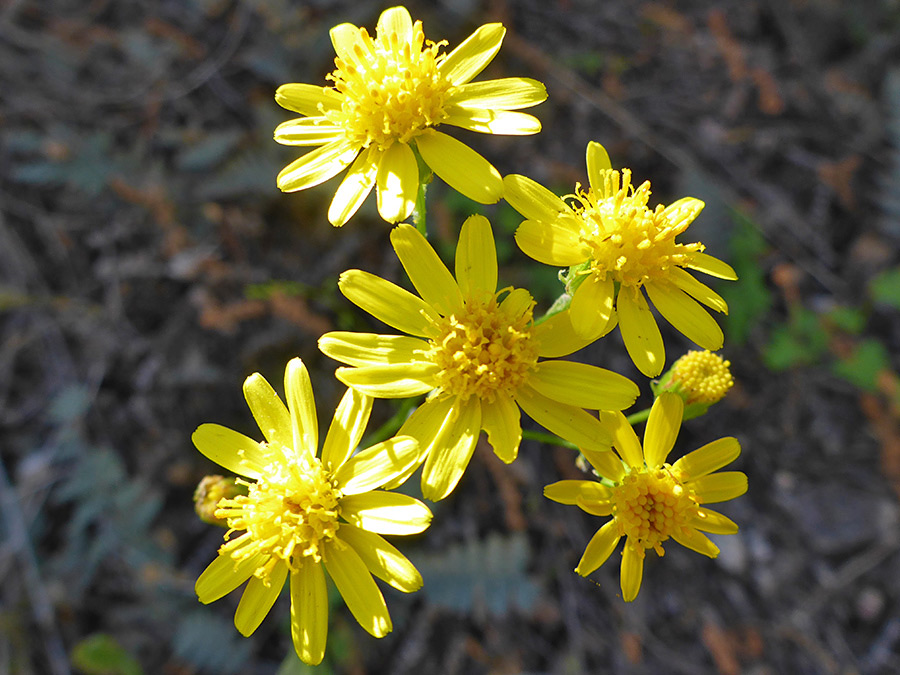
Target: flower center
[392, 90]
[628, 241]
[485, 348]
[703, 375]
[288, 513]
[652, 505]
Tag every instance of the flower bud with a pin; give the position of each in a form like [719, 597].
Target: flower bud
[701, 378]
[209, 492]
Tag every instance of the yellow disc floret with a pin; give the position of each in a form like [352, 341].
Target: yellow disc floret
[629, 243]
[392, 89]
[705, 377]
[287, 514]
[651, 506]
[485, 348]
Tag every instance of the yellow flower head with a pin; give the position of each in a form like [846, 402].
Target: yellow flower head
[304, 514]
[476, 352]
[388, 95]
[617, 248]
[652, 501]
[703, 377]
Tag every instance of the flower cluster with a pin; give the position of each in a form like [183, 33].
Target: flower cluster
[471, 353]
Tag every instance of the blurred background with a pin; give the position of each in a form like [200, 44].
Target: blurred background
[148, 264]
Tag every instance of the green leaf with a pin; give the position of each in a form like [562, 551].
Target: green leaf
[801, 342]
[748, 298]
[885, 288]
[100, 654]
[862, 368]
[849, 319]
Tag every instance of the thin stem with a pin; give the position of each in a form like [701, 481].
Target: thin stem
[639, 416]
[543, 437]
[390, 427]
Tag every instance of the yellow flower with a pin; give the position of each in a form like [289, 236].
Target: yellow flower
[651, 500]
[304, 515]
[616, 247]
[475, 351]
[388, 95]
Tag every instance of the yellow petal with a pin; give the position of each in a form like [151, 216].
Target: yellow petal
[302, 407]
[382, 559]
[460, 167]
[709, 458]
[698, 290]
[685, 313]
[624, 438]
[306, 98]
[347, 428]
[714, 267]
[429, 424]
[640, 333]
[682, 213]
[371, 349]
[317, 166]
[426, 270]
[596, 508]
[502, 122]
[597, 162]
[607, 464]
[552, 242]
[348, 43]
[231, 450]
[557, 337]
[583, 386]
[386, 512]
[258, 598]
[568, 422]
[307, 131]
[592, 305]
[476, 257]
[711, 521]
[397, 182]
[508, 93]
[500, 420]
[448, 460]
[400, 380]
[224, 574]
[473, 54]
[273, 418]
[373, 467]
[599, 548]
[516, 303]
[663, 426]
[696, 541]
[358, 588]
[719, 487]
[388, 302]
[356, 186]
[395, 20]
[536, 202]
[570, 491]
[309, 611]
[632, 571]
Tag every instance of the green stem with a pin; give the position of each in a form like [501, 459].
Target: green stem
[543, 437]
[639, 416]
[390, 427]
[419, 212]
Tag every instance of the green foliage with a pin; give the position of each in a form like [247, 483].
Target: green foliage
[862, 368]
[100, 654]
[851, 320]
[749, 299]
[207, 641]
[800, 342]
[885, 288]
[480, 575]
